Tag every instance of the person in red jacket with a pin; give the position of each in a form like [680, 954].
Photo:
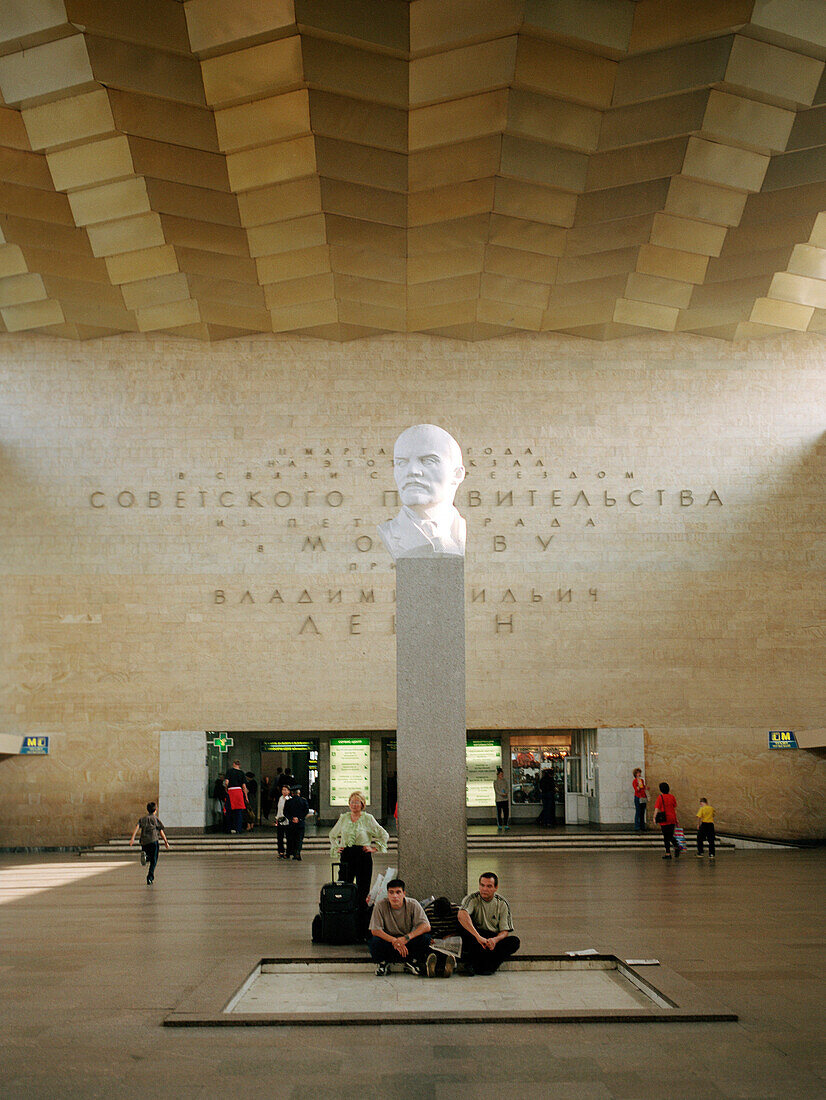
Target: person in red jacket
[665, 815]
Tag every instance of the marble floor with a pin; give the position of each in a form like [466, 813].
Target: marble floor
[400, 994]
[93, 961]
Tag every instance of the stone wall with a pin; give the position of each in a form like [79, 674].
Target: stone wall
[189, 543]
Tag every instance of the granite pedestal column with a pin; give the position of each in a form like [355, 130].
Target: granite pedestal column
[431, 741]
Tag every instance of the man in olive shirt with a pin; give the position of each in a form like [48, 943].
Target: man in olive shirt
[401, 933]
[486, 928]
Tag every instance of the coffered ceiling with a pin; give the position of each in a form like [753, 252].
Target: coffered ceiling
[340, 168]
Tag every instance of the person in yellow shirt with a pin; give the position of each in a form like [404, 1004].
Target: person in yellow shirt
[705, 828]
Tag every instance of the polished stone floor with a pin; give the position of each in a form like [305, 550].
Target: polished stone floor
[399, 993]
[93, 961]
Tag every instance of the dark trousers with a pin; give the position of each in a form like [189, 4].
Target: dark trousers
[295, 838]
[669, 841]
[357, 866]
[239, 818]
[480, 958]
[705, 832]
[281, 836]
[417, 950]
[548, 815]
[152, 851]
[639, 814]
[503, 812]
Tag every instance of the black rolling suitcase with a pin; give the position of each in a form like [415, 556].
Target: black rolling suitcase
[338, 918]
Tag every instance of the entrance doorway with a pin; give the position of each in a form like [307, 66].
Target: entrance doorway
[300, 758]
[265, 755]
[550, 772]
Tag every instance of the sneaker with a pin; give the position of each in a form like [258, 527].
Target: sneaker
[382, 969]
[668, 856]
[711, 857]
[411, 968]
[700, 855]
[431, 964]
[143, 858]
[450, 963]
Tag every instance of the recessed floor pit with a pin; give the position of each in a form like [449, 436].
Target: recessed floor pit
[346, 991]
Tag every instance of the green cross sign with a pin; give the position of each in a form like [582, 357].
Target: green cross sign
[222, 743]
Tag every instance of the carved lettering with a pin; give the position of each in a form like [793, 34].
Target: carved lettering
[126, 499]
[544, 543]
[308, 626]
[223, 501]
[283, 499]
[153, 499]
[220, 596]
[92, 499]
[364, 544]
[313, 543]
[335, 499]
[477, 595]
[686, 498]
[474, 498]
[252, 498]
[305, 597]
[334, 597]
[581, 496]
[499, 544]
[714, 499]
[508, 597]
[501, 622]
[355, 624]
[564, 596]
[632, 494]
[504, 498]
[367, 596]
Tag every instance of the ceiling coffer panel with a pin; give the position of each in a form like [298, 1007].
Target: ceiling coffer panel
[211, 168]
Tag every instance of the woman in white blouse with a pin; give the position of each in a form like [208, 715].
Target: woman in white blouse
[354, 838]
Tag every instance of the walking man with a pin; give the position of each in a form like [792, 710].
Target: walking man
[486, 928]
[296, 809]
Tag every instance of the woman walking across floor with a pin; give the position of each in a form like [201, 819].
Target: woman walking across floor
[354, 838]
[665, 815]
[640, 800]
[152, 833]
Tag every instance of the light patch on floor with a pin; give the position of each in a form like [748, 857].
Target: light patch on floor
[35, 878]
[326, 992]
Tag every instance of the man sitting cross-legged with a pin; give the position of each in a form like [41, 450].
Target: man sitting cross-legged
[486, 928]
[401, 933]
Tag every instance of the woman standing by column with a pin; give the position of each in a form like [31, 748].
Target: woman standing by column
[353, 838]
[640, 800]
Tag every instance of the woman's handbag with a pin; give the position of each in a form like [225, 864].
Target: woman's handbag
[659, 817]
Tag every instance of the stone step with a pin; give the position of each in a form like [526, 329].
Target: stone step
[220, 844]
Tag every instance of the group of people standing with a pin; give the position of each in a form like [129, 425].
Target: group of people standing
[665, 815]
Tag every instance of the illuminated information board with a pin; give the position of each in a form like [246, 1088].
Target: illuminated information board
[483, 758]
[349, 768]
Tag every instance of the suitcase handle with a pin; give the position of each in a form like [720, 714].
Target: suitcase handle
[333, 874]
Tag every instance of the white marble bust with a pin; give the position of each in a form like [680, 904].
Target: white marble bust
[427, 465]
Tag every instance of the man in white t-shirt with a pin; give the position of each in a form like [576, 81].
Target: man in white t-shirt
[401, 933]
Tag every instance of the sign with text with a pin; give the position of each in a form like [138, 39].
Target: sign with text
[287, 746]
[483, 758]
[782, 739]
[35, 746]
[349, 768]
